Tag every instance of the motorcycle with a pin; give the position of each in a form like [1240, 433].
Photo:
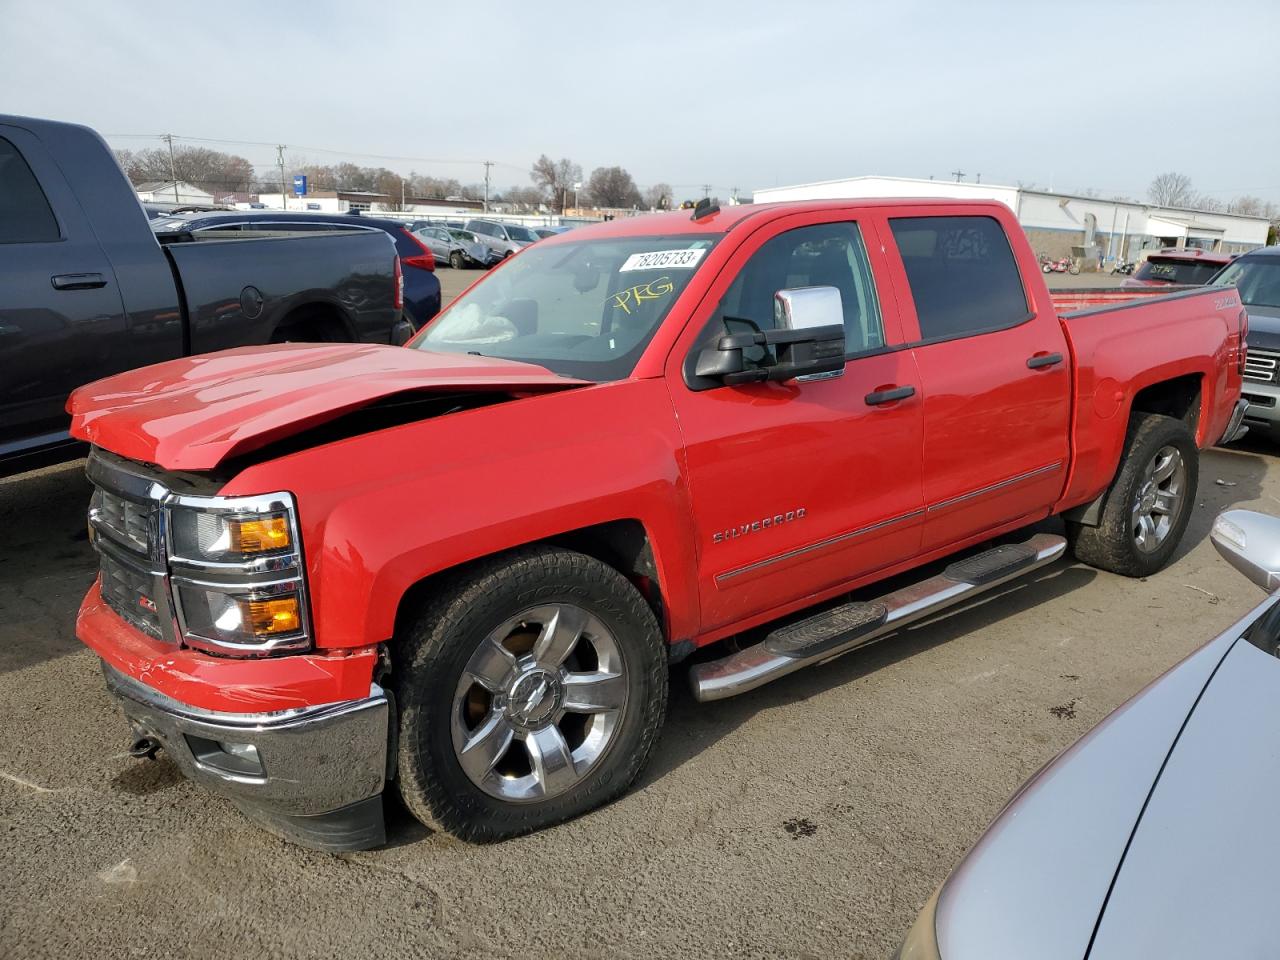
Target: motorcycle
[1123, 266]
[1061, 265]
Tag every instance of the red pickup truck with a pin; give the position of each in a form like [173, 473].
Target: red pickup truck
[463, 567]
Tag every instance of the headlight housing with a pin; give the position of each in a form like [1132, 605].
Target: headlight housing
[238, 582]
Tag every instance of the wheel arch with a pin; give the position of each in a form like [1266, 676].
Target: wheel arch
[624, 544]
[1181, 397]
[321, 314]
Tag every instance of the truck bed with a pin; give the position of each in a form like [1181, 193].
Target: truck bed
[1082, 298]
[1180, 335]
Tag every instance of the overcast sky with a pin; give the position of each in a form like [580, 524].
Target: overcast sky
[734, 94]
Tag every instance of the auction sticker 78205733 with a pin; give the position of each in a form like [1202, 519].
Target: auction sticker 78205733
[685, 259]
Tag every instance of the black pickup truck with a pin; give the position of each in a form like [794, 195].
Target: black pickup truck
[87, 291]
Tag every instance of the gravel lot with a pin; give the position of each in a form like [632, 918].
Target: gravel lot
[810, 818]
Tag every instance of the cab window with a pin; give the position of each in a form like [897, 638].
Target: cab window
[823, 255]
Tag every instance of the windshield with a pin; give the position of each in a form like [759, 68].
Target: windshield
[463, 236]
[585, 309]
[521, 234]
[1176, 271]
[1257, 279]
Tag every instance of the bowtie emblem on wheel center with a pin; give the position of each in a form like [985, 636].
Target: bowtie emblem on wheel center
[533, 698]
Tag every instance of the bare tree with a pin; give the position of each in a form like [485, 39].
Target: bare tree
[1171, 190]
[524, 198]
[613, 187]
[211, 170]
[557, 178]
[1247, 206]
[658, 196]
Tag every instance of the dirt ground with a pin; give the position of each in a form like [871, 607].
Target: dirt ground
[810, 818]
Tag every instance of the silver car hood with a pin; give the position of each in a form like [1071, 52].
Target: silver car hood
[1199, 879]
[1036, 883]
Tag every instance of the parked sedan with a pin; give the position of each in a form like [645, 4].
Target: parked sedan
[421, 288]
[1155, 835]
[458, 248]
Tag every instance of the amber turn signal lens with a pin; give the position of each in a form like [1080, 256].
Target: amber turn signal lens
[270, 617]
[260, 536]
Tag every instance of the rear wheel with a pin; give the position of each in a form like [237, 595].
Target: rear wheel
[1074, 269]
[1149, 504]
[530, 691]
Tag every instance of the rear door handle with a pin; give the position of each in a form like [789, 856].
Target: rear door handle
[877, 397]
[77, 281]
[1043, 360]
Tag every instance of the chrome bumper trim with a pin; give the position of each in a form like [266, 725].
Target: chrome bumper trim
[310, 761]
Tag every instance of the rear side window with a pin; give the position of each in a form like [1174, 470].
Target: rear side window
[962, 274]
[25, 215]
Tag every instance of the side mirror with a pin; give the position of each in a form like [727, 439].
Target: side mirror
[1250, 542]
[807, 340]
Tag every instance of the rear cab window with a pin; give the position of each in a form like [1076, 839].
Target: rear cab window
[25, 214]
[962, 274]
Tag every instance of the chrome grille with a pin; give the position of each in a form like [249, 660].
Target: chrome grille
[124, 520]
[1260, 366]
[128, 592]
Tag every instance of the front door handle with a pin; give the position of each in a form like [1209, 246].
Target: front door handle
[1043, 360]
[78, 281]
[877, 397]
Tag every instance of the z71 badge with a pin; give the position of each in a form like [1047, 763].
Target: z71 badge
[755, 526]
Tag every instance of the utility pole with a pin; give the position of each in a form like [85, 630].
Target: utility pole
[958, 174]
[402, 194]
[168, 138]
[284, 203]
[706, 190]
[733, 192]
[487, 165]
[979, 178]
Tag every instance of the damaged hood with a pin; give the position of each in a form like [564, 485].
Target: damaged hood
[193, 413]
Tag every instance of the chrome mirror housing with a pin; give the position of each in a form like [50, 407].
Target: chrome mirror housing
[806, 308]
[1250, 542]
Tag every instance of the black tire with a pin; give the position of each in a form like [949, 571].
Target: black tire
[435, 648]
[456, 260]
[1113, 545]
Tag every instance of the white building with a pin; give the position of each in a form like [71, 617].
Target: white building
[170, 192]
[1056, 223]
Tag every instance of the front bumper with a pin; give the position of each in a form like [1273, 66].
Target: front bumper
[1262, 411]
[313, 775]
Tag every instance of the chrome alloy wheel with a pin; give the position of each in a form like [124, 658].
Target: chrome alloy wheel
[1159, 494]
[539, 702]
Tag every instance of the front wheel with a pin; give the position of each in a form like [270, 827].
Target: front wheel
[1046, 268]
[1074, 269]
[1149, 503]
[530, 691]
[456, 261]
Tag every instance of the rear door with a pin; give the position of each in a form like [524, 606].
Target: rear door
[995, 377]
[62, 320]
[799, 486]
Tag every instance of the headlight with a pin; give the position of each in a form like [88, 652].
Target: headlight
[238, 582]
[922, 939]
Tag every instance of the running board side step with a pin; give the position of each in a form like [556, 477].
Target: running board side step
[841, 629]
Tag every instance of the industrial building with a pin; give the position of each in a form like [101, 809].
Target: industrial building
[1062, 224]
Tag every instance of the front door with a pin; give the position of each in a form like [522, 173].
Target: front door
[803, 485]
